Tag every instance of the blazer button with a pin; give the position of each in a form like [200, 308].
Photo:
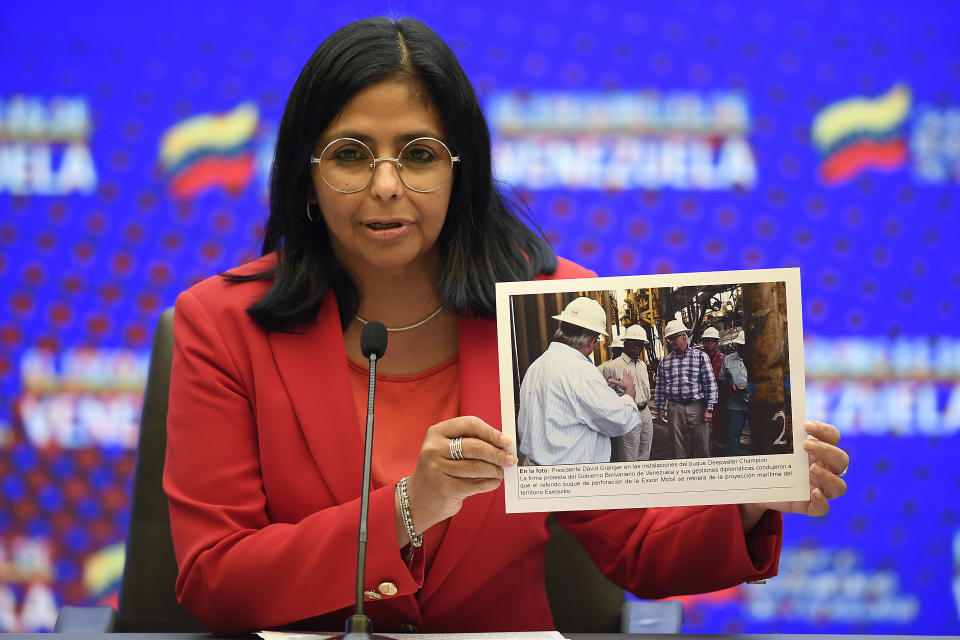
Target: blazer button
[406, 627]
[373, 595]
[387, 588]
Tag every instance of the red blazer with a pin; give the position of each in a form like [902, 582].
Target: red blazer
[263, 475]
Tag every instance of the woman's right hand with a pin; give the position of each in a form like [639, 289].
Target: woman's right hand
[439, 484]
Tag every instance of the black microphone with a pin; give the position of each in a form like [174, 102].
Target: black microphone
[373, 344]
[373, 340]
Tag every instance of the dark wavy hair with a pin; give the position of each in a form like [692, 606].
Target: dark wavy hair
[483, 241]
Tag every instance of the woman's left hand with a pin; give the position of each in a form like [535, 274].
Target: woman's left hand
[828, 464]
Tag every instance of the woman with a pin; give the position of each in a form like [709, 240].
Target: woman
[268, 389]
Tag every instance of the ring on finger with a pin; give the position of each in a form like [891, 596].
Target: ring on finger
[456, 448]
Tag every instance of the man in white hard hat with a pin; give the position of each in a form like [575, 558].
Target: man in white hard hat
[711, 342]
[615, 350]
[685, 378]
[733, 378]
[568, 413]
[636, 444]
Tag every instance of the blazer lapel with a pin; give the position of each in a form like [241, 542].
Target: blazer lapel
[479, 396]
[313, 368]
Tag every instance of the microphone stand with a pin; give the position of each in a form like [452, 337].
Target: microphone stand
[373, 343]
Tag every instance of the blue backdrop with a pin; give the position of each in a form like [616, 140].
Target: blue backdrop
[644, 137]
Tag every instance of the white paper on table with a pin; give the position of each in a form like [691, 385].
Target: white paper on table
[518, 635]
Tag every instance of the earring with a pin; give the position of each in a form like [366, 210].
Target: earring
[310, 217]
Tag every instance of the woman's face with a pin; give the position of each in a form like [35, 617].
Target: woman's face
[385, 225]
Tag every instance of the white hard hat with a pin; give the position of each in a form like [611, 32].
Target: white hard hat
[711, 333]
[587, 313]
[740, 339]
[674, 327]
[617, 344]
[635, 332]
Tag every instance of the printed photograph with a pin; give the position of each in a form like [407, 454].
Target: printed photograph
[680, 354]
[651, 368]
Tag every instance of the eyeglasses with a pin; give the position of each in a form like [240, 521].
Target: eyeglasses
[347, 165]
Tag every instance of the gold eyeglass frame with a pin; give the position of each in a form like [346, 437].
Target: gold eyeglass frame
[373, 164]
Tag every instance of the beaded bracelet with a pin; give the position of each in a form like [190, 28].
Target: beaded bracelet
[415, 539]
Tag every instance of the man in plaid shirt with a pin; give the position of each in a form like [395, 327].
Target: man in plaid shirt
[685, 378]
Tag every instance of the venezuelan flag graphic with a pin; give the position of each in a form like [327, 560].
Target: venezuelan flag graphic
[103, 570]
[859, 134]
[210, 151]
